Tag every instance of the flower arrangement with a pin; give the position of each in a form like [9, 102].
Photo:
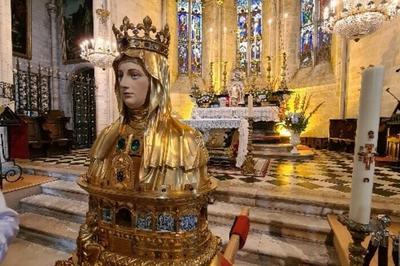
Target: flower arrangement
[202, 98]
[296, 120]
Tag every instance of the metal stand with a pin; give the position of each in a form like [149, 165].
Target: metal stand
[248, 167]
[12, 175]
[358, 233]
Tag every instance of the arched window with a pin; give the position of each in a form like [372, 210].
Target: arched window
[249, 30]
[315, 39]
[189, 36]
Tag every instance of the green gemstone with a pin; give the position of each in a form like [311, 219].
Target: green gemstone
[121, 144]
[135, 145]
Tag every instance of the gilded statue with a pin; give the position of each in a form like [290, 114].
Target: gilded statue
[146, 147]
[236, 89]
[147, 180]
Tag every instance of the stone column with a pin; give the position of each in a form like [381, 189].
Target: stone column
[104, 90]
[6, 74]
[6, 66]
[52, 9]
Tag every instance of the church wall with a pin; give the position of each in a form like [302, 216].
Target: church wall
[137, 10]
[380, 48]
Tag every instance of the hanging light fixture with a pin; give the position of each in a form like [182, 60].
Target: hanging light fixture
[359, 18]
[100, 51]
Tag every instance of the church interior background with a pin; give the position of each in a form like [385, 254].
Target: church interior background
[237, 67]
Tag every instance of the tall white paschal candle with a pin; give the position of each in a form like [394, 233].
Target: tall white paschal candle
[365, 144]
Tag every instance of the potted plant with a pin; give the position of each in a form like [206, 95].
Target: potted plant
[296, 119]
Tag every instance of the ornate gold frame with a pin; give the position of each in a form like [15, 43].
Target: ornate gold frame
[28, 54]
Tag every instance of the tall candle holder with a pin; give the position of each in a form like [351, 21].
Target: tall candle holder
[283, 83]
[248, 168]
[358, 233]
[224, 76]
[359, 219]
[211, 73]
[269, 69]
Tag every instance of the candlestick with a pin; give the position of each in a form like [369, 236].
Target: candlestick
[211, 77]
[224, 77]
[250, 105]
[365, 144]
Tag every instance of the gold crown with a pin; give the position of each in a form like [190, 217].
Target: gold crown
[141, 38]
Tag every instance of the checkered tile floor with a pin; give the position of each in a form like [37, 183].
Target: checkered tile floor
[328, 171]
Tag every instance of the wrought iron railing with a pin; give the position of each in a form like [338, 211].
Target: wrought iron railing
[7, 90]
[32, 89]
[83, 91]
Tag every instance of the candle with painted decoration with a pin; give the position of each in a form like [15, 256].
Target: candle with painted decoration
[250, 106]
[365, 144]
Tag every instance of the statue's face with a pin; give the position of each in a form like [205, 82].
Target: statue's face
[133, 84]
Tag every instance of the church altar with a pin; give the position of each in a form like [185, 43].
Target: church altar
[207, 119]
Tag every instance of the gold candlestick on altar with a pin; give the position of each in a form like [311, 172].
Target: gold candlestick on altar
[224, 76]
[211, 73]
[269, 69]
[283, 84]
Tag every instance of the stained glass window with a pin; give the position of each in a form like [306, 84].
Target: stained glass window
[307, 32]
[324, 36]
[315, 39]
[189, 35]
[249, 30]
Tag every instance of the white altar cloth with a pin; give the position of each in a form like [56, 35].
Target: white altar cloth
[267, 113]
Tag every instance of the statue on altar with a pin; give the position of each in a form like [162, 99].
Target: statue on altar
[236, 89]
[147, 180]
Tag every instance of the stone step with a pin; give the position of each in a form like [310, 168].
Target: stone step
[57, 207]
[272, 250]
[62, 235]
[65, 189]
[278, 202]
[27, 253]
[49, 231]
[307, 228]
[68, 173]
[308, 203]
[273, 147]
[299, 202]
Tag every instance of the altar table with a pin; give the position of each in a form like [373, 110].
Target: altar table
[206, 119]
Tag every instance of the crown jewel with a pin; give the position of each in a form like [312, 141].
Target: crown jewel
[141, 38]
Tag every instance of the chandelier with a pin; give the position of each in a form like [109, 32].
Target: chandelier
[362, 17]
[100, 51]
